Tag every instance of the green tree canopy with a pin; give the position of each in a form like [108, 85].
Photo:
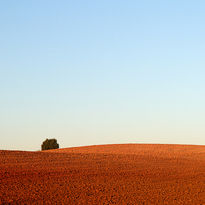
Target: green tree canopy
[49, 144]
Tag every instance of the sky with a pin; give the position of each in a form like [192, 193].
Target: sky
[101, 72]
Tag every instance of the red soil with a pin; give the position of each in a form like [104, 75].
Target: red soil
[105, 174]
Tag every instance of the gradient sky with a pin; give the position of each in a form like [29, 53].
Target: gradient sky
[100, 72]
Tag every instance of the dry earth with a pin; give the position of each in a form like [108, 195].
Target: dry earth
[105, 174]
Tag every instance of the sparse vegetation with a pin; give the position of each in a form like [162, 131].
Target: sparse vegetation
[49, 144]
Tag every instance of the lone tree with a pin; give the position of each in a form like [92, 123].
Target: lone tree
[49, 144]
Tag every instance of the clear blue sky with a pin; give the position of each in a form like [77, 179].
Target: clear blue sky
[98, 72]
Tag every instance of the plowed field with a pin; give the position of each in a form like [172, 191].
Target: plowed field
[104, 174]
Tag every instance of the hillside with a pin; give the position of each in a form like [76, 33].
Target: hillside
[105, 174]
